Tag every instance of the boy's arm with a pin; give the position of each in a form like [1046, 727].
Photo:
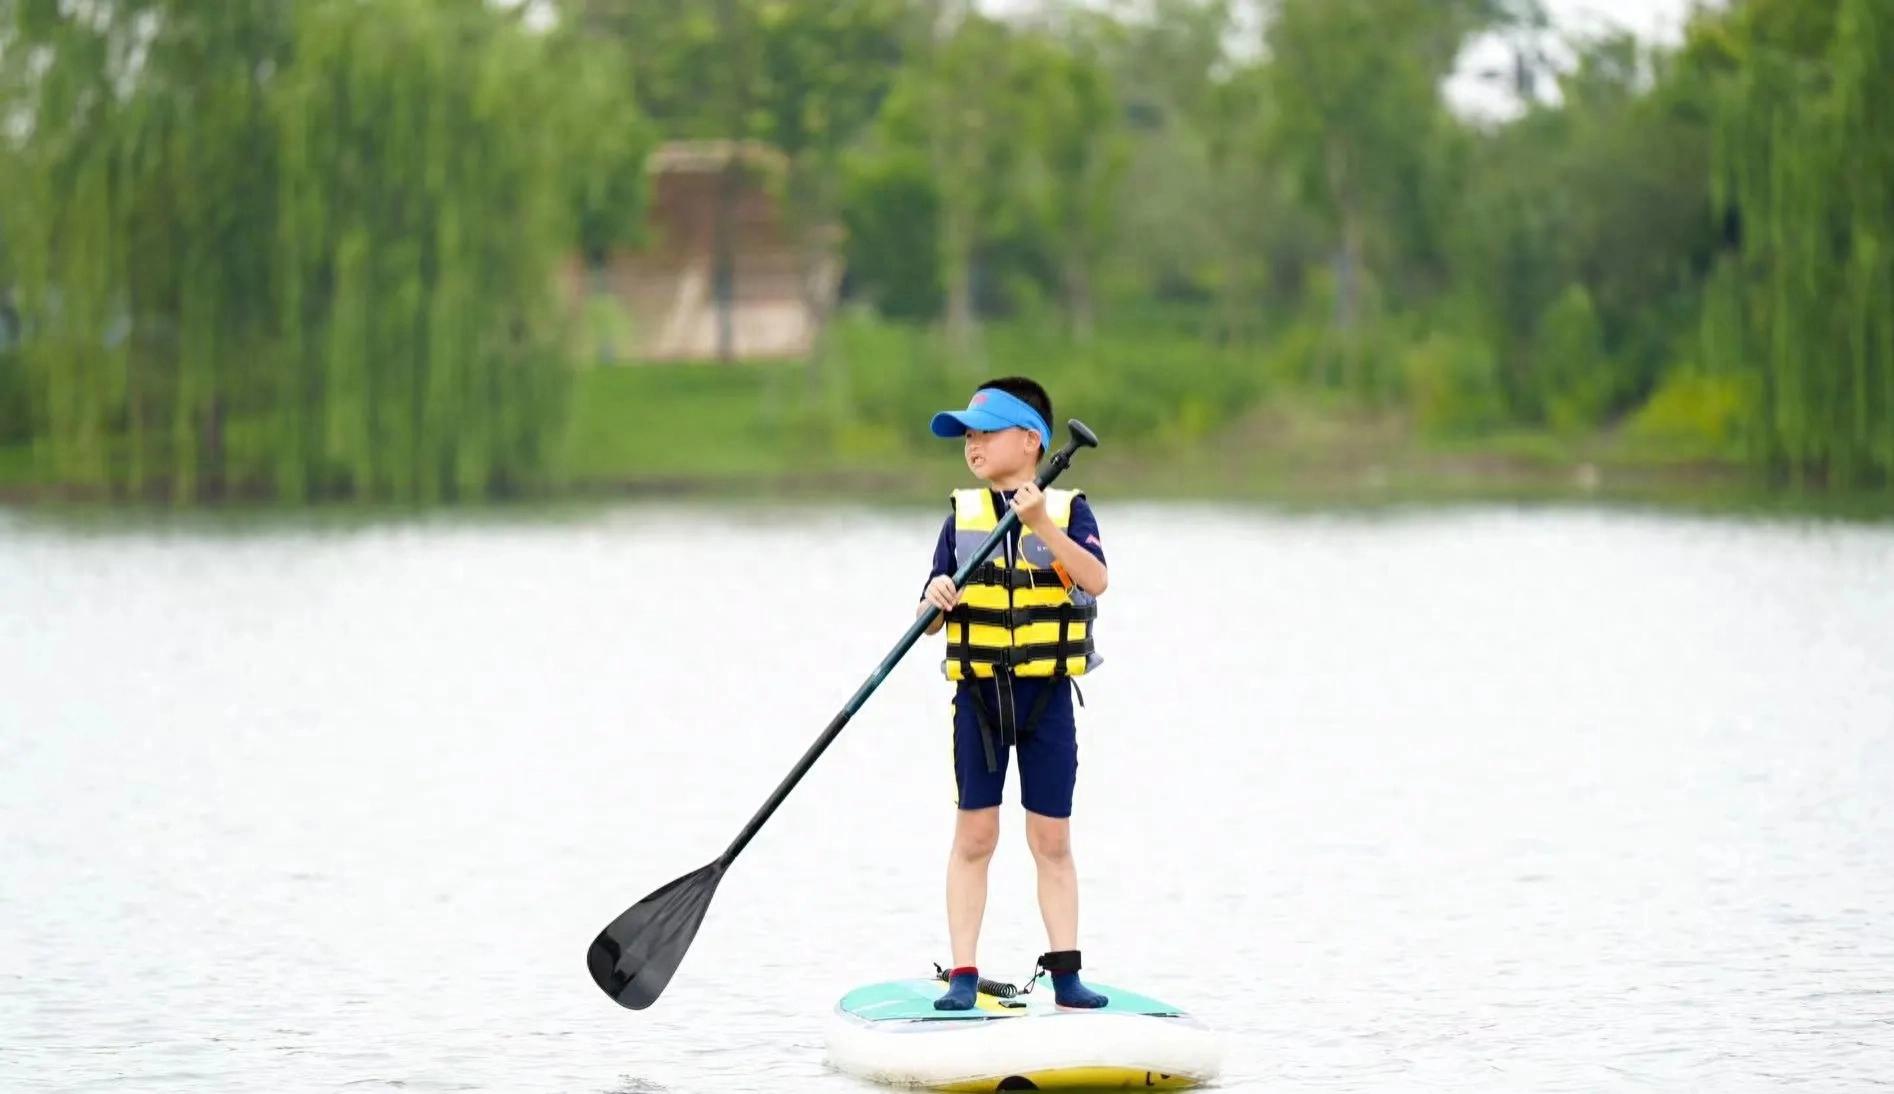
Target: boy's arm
[1086, 569]
[939, 620]
[937, 592]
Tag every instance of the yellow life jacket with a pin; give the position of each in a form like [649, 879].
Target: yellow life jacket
[1016, 613]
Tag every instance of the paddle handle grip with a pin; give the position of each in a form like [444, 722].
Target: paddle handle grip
[1080, 437]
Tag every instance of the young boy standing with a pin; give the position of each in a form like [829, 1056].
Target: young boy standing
[1017, 634]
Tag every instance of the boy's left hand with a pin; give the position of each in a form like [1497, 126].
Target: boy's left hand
[1030, 503]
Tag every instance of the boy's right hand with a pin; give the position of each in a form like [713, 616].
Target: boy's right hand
[942, 593]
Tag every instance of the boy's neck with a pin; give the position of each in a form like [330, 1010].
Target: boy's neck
[1011, 482]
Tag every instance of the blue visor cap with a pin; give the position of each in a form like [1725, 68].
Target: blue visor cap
[989, 411]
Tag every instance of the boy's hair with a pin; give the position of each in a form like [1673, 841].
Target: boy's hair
[1028, 392]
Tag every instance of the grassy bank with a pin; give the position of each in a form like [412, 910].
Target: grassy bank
[1179, 418]
[747, 429]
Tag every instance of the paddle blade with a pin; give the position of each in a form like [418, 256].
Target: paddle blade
[633, 958]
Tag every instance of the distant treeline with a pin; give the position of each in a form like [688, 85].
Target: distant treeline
[309, 249]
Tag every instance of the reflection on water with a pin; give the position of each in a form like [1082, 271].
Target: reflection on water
[1485, 799]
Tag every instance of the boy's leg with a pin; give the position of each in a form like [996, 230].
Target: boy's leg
[976, 833]
[1048, 771]
[1051, 841]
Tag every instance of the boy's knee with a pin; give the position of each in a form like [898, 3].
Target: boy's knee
[977, 834]
[1050, 840]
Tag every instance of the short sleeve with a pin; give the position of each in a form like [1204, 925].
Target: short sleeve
[944, 555]
[1082, 526]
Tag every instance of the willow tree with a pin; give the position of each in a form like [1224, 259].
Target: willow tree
[306, 250]
[1801, 300]
[422, 210]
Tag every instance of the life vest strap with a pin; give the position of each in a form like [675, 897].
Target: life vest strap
[1008, 734]
[985, 721]
[1014, 618]
[1012, 657]
[1065, 641]
[1014, 577]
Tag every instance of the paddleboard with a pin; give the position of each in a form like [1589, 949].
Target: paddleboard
[891, 1033]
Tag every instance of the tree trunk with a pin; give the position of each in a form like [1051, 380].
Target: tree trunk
[956, 228]
[723, 221]
[1348, 297]
[1348, 258]
[957, 246]
[1078, 297]
[216, 468]
[811, 213]
[723, 257]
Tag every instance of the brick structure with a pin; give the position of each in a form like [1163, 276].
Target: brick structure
[668, 290]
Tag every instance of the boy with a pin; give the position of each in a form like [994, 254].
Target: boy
[1016, 635]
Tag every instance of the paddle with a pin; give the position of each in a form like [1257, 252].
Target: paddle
[633, 958]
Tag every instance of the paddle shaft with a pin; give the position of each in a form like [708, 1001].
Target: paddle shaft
[1081, 438]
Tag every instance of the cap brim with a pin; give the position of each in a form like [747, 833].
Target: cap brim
[954, 423]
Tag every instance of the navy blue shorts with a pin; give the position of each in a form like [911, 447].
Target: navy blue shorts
[1048, 747]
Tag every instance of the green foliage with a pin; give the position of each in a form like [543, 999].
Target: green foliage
[1142, 384]
[1150, 390]
[891, 213]
[319, 248]
[660, 421]
[1606, 195]
[1003, 141]
[1805, 154]
[824, 71]
[1693, 414]
[301, 250]
[15, 418]
[1569, 358]
[1357, 116]
[1452, 386]
[1072, 180]
[606, 144]
[439, 360]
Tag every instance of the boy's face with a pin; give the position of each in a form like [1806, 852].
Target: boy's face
[1001, 454]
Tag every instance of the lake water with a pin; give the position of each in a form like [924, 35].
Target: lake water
[1482, 799]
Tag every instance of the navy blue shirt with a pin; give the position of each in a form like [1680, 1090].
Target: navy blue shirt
[1081, 526]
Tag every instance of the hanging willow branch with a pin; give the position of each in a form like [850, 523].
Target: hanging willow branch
[1805, 148]
[302, 250]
